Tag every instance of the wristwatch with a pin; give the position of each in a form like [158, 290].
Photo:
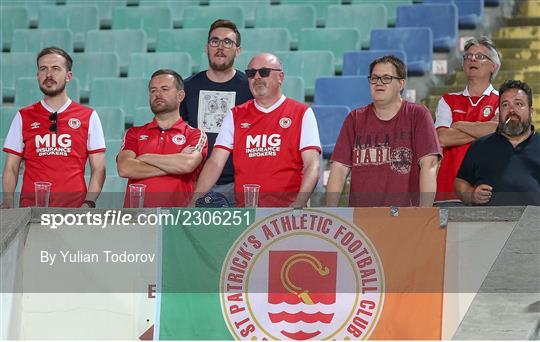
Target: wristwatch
[90, 203]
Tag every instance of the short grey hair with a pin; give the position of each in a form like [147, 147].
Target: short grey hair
[493, 53]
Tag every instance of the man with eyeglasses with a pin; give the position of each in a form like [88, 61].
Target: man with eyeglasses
[211, 93]
[273, 139]
[389, 146]
[55, 136]
[503, 168]
[465, 116]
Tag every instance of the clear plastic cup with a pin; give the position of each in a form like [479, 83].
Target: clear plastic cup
[43, 193]
[251, 195]
[136, 195]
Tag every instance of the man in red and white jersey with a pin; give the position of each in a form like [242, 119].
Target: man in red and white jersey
[166, 154]
[274, 141]
[55, 137]
[463, 117]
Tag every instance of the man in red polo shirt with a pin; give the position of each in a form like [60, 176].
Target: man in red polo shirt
[165, 154]
[463, 117]
[274, 141]
[55, 137]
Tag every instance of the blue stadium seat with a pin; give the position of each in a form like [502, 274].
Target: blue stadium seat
[249, 7]
[89, 65]
[143, 115]
[203, 17]
[72, 18]
[492, 3]
[144, 64]
[415, 41]
[149, 19]
[329, 120]
[32, 6]
[442, 19]
[350, 91]
[357, 62]
[35, 40]
[293, 87]
[362, 17]
[105, 8]
[126, 93]
[6, 117]
[191, 41]
[11, 18]
[307, 64]
[27, 91]
[292, 17]
[391, 7]
[123, 42]
[113, 121]
[470, 12]
[177, 8]
[337, 40]
[266, 39]
[14, 65]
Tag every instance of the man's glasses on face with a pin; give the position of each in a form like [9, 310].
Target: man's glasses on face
[478, 56]
[385, 79]
[54, 126]
[226, 43]
[263, 72]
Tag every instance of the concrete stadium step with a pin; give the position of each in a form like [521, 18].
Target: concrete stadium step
[520, 65]
[533, 54]
[527, 76]
[522, 21]
[529, 8]
[522, 43]
[532, 32]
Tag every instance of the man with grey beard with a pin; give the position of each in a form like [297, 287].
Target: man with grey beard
[211, 93]
[503, 168]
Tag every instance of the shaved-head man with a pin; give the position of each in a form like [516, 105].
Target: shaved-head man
[274, 141]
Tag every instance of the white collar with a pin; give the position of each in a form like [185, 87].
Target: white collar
[272, 107]
[486, 92]
[63, 108]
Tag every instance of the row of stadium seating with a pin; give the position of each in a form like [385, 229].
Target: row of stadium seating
[441, 17]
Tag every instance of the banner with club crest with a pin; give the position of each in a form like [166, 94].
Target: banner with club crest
[332, 273]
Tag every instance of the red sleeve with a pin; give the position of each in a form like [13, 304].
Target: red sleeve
[130, 141]
[425, 135]
[199, 141]
[343, 150]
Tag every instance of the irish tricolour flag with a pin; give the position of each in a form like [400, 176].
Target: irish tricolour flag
[303, 275]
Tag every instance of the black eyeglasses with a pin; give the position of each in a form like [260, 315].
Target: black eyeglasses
[227, 43]
[264, 72]
[386, 79]
[54, 126]
[478, 56]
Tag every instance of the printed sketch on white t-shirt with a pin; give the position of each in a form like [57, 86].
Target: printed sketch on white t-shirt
[213, 106]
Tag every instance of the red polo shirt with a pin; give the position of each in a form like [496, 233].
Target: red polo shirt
[169, 190]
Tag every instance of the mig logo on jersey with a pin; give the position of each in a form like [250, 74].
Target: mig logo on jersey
[53, 144]
[263, 145]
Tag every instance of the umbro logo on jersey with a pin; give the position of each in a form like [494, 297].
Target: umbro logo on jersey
[459, 111]
[143, 137]
[245, 125]
[34, 125]
[74, 123]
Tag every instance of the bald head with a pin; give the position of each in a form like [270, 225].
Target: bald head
[270, 60]
[265, 76]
